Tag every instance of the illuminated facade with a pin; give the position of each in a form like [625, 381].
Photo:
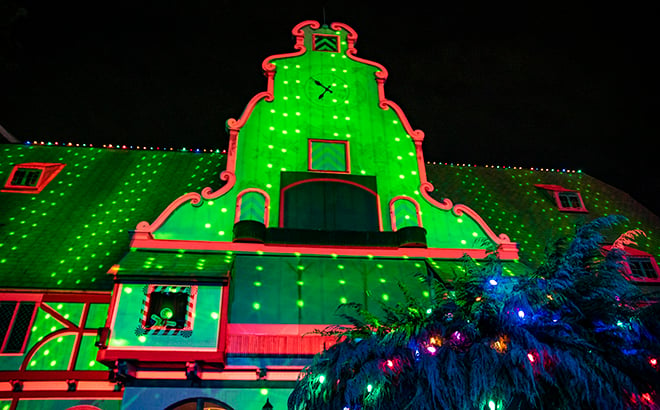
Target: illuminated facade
[121, 289]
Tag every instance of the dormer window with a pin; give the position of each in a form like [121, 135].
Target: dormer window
[567, 200]
[31, 178]
[638, 266]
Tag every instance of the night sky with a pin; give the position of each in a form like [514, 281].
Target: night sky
[567, 86]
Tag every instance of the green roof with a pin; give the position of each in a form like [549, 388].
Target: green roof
[69, 235]
[510, 203]
[75, 230]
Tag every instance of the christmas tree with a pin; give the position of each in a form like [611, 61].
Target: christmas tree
[575, 334]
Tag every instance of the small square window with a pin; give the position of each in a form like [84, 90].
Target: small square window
[569, 200]
[329, 156]
[26, 177]
[325, 42]
[168, 309]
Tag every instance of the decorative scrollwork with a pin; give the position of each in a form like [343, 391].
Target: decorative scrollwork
[229, 177]
[427, 187]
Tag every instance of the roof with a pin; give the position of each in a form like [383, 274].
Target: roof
[69, 235]
[73, 232]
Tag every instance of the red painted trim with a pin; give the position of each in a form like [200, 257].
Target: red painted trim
[48, 173]
[156, 357]
[54, 375]
[224, 315]
[508, 251]
[76, 344]
[272, 329]
[78, 297]
[393, 214]
[62, 395]
[110, 320]
[281, 221]
[347, 156]
[239, 200]
[8, 296]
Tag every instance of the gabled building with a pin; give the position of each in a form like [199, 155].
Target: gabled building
[148, 278]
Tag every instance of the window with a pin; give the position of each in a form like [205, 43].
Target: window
[638, 266]
[642, 268]
[27, 177]
[329, 156]
[168, 310]
[327, 43]
[15, 323]
[31, 178]
[567, 200]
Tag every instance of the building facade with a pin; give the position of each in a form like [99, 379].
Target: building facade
[149, 278]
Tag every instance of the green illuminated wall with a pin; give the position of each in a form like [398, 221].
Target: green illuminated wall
[327, 96]
[57, 341]
[129, 313]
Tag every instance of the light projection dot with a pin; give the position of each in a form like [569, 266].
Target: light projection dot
[214, 315]
[207, 226]
[256, 306]
[257, 284]
[142, 339]
[264, 392]
[300, 303]
[385, 297]
[343, 300]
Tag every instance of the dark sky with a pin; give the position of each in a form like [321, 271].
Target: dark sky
[555, 86]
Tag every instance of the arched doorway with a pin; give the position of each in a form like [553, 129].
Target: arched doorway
[199, 403]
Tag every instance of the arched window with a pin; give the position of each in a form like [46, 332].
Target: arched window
[252, 205]
[329, 205]
[404, 212]
[199, 403]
